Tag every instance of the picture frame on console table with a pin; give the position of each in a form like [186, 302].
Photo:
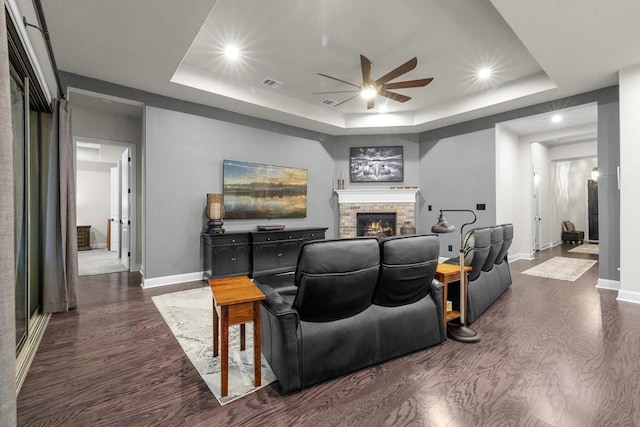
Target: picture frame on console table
[376, 164]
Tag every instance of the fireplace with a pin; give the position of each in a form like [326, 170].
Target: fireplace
[379, 224]
[354, 202]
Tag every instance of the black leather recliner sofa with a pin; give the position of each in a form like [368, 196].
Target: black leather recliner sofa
[354, 302]
[486, 251]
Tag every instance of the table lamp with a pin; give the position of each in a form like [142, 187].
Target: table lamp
[215, 213]
[461, 332]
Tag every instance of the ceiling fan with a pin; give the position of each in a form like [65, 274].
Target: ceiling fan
[370, 88]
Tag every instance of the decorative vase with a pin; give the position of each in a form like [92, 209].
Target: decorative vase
[408, 228]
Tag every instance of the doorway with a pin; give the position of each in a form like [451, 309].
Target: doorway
[592, 209]
[537, 210]
[105, 192]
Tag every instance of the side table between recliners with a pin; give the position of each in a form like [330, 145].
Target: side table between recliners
[236, 300]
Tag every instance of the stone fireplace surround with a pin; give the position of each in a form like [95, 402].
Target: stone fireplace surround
[351, 202]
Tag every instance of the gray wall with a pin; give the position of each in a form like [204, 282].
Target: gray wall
[457, 172]
[608, 193]
[608, 155]
[410, 152]
[183, 162]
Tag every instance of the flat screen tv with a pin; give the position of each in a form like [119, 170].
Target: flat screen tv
[253, 190]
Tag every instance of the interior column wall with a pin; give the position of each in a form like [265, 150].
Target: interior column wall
[513, 189]
[457, 172]
[629, 182]
[609, 212]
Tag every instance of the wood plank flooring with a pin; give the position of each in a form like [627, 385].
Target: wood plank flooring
[553, 353]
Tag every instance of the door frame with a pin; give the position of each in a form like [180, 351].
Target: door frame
[537, 205]
[133, 260]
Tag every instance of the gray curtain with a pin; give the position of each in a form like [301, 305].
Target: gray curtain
[60, 257]
[7, 266]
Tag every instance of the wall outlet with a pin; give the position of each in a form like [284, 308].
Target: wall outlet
[429, 208]
[481, 207]
[450, 248]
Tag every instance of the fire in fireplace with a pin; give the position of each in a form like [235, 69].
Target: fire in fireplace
[376, 224]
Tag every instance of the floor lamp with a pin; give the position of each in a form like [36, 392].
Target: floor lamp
[461, 332]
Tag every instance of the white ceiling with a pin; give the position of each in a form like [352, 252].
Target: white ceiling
[540, 51]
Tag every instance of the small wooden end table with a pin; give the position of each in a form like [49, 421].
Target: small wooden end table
[236, 300]
[447, 273]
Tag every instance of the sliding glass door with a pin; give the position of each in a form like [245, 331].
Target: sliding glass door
[25, 122]
[18, 122]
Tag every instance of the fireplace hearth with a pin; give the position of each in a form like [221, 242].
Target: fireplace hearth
[378, 224]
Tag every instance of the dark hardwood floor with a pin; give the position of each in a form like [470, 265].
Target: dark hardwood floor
[553, 353]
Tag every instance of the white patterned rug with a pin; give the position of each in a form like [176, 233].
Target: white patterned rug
[189, 316]
[561, 268]
[586, 248]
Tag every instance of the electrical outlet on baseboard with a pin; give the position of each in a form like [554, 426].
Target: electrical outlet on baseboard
[450, 248]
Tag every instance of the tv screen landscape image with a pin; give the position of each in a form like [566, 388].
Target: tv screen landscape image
[253, 190]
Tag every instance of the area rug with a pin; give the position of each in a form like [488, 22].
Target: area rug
[189, 316]
[586, 248]
[561, 268]
[98, 261]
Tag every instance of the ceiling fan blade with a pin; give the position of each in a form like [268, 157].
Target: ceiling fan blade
[407, 84]
[335, 78]
[371, 103]
[365, 64]
[395, 96]
[348, 99]
[338, 91]
[404, 68]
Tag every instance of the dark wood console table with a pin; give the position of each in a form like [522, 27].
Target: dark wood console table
[84, 237]
[255, 253]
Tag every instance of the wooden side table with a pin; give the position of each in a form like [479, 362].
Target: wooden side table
[236, 300]
[447, 273]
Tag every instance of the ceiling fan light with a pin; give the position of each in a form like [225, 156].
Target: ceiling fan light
[368, 92]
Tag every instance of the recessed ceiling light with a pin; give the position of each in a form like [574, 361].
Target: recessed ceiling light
[232, 52]
[484, 73]
[556, 118]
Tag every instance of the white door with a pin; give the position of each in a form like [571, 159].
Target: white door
[125, 203]
[537, 209]
[114, 243]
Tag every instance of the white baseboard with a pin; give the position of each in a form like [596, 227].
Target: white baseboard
[99, 246]
[521, 255]
[613, 285]
[171, 280]
[629, 296]
[547, 246]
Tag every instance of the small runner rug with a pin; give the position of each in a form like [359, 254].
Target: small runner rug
[189, 316]
[561, 268]
[586, 248]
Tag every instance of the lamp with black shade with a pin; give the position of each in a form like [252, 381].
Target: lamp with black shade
[461, 332]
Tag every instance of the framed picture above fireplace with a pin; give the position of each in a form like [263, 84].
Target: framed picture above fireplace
[376, 164]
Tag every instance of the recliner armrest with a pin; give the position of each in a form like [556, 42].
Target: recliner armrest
[436, 294]
[274, 303]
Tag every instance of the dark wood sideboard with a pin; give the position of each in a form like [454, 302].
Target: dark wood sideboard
[255, 253]
[84, 237]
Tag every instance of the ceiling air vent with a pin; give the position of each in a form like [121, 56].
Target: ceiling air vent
[329, 102]
[271, 83]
